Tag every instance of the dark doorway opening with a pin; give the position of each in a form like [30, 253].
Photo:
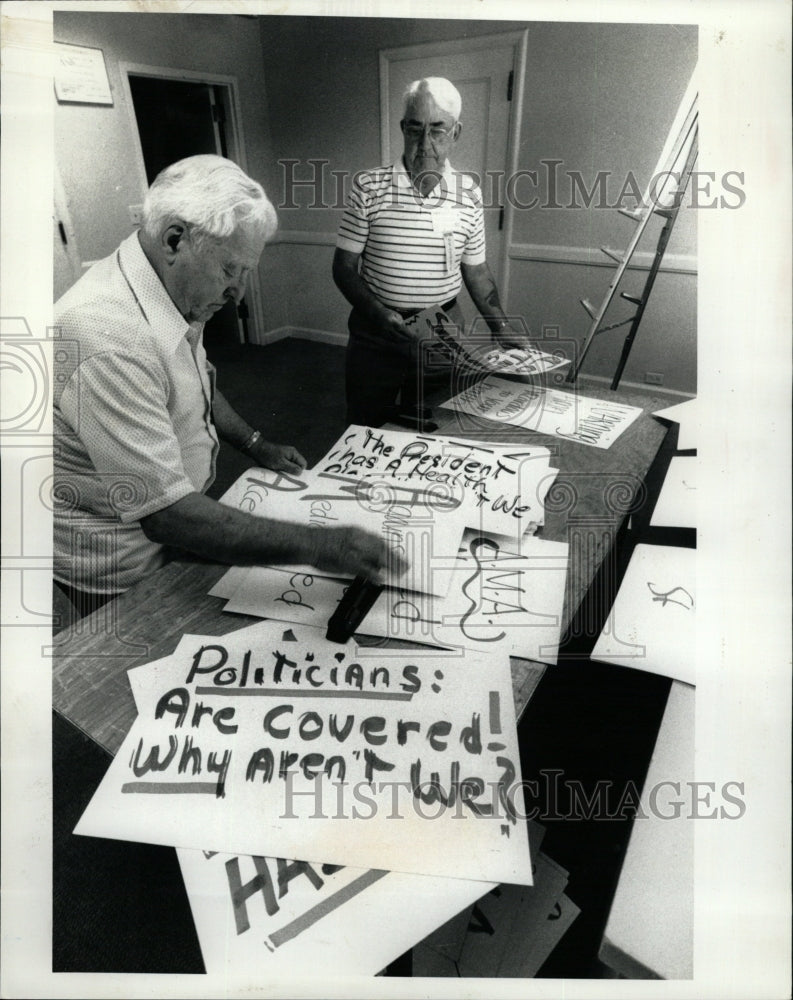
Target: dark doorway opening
[178, 118]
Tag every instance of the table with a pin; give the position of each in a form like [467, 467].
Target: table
[588, 506]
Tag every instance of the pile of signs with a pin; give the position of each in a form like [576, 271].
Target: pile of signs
[464, 514]
[325, 800]
[346, 801]
[509, 933]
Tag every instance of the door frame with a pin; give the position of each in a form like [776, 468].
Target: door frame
[235, 138]
[62, 217]
[519, 41]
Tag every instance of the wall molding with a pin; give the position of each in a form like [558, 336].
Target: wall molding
[661, 389]
[304, 237]
[304, 333]
[594, 257]
[550, 253]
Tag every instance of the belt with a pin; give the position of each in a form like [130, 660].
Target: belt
[407, 313]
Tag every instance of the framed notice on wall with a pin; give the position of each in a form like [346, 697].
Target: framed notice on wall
[81, 75]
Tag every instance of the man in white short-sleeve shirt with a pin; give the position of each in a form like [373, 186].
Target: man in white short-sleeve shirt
[136, 413]
[411, 235]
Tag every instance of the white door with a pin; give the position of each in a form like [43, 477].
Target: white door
[485, 71]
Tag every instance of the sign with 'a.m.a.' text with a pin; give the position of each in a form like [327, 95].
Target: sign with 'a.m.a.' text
[277, 742]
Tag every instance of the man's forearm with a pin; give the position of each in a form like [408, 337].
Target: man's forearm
[207, 528]
[228, 423]
[354, 288]
[482, 288]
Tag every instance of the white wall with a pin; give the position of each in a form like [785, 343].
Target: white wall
[597, 97]
[93, 144]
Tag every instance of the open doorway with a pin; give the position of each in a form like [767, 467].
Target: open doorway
[177, 117]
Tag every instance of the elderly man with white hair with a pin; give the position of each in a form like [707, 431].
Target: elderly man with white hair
[411, 235]
[136, 413]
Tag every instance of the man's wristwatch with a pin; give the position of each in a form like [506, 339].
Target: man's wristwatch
[250, 443]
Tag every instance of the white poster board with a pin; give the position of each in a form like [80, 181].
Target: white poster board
[501, 487]
[594, 422]
[652, 623]
[497, 599]
[271, 913]
[676, 506]
[282, 744]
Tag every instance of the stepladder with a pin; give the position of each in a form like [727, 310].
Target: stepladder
[662, 200]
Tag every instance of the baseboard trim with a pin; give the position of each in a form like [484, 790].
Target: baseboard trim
[304, 333]
[641, 385]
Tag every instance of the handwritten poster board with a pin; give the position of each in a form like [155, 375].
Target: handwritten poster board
[271, 911]
[81, 75]
[274, 743]
[594, 422]
[446, 344]
[516, 361]
[652, 623]
[350, 921]
[424, 528]
[501, 488]
[497, 599]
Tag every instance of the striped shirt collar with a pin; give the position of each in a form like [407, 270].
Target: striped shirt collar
[402, 177]
[153, 300]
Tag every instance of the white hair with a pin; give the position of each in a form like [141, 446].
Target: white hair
[211, 194]
[441, 90]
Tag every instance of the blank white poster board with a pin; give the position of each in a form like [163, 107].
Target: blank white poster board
[677, 502]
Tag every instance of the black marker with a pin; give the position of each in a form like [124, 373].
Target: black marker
[353, 608]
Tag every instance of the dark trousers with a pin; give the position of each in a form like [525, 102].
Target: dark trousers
[82, 602]
[384, 377]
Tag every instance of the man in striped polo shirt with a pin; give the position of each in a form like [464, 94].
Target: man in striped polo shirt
[411, 234]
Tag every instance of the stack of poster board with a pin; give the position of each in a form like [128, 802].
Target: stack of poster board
[344, 800]
[479, 579]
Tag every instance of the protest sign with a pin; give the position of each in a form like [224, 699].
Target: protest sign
[497, 598]
[502, 488]
[444, 345]
[568, 415]
[274, 912]
[422, 527]
[274, 743]
[652, 624]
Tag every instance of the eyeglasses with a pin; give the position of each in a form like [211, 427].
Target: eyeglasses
[437, 132]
